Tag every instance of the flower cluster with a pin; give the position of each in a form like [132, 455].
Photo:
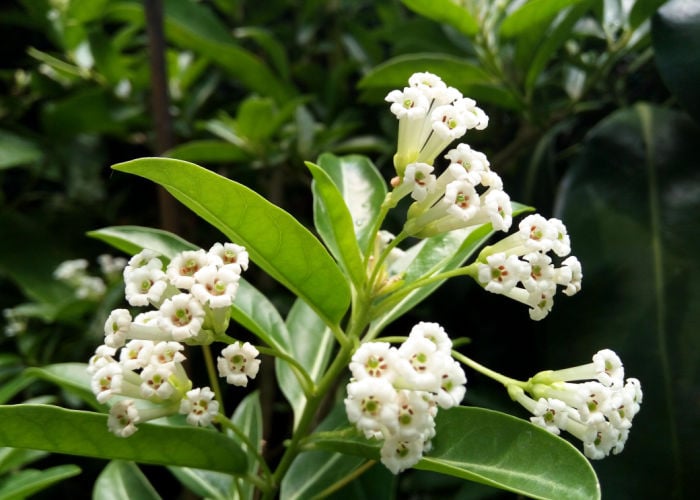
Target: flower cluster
[74, 273]
[503, 269]
[431, 116]
[598, 410]
[394, 393]
[192, 296]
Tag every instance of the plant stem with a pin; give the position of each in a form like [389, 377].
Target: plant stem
[226, 422]
[502, 379]
[213, 376]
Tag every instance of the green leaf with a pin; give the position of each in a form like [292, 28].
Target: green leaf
[362, 187]
[25, 483]
[531, 16]
[335, 225]
[133, 239]
[204, 483]
[676, 40]
[254, 311]
[72, 377]
[447, 12]
[121, 480]
[209, 151]
[469, 78]
[248, 418]
[83, 433]
[491, 448]
[311, 347]
[432, 256]
[630, 203]
[16, 150]
[254, 119]
[15, 458]
[276, 241]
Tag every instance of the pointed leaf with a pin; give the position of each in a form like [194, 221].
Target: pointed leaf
[630, 203]
[73, 432]
[532, 15]
[121, 480]
[208, 151]
[73, 377]
[491, 448]
[362, 187]
[25, 483]
[133, 239]
[16, 150]
[445, 11]
[676, 39]
[334, 224]
[311, 347]
[276, 241]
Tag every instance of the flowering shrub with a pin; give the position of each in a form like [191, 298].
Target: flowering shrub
[396, 384]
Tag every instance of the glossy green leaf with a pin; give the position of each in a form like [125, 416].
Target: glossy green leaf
[133, 239]
[254, 311]
[335, 225]
[469, 78]
[532, 15]
[248, 418]
[311, 347]
[254, 118]
[447, 12]
[120, 480]
[204, 483]
[676, 40]
[431, 256]
[16, 458]
[73, 432]
[208, 151]
[630, 203]
[25, 483]
[492, 448]
[16, 151]
[276, 241]
[362, 187]
[73, 377]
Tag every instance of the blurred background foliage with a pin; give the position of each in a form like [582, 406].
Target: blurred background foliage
[594, 118]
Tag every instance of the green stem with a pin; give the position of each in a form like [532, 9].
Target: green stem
[502, 379]
[213, 376]
[226, 422]
[346, 480]
[382, 257]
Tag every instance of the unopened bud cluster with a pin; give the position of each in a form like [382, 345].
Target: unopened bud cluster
[141, 359]
[394, 393]
[592, 402]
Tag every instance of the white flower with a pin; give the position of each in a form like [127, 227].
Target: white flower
[473, 162]
[107, 381]
[372, 405]
[155, 382]
[215, 287]
[398, 454]
[608, 368]
[123, 417]
[419, 177]
[238, 363]
[452, 384]
[422, 367]
[541, 269]
[474, 116]
[374, 360]
[415, 419]
[233, 256]
[433, 332]
[499, 209]
[181, 316]
[145, 258]
[136, 354]
[145, 285]
[562, 243]
[200, 406]
[104, 355]
[411, 103]
[184, 265]
[552, 414]
[110, 265]
[573, 275]
[502, 272]
[462, 200]
[90, 288]
[165, 353]
[117, 328]
[70, 269]
[541, 299]
[538, 233]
